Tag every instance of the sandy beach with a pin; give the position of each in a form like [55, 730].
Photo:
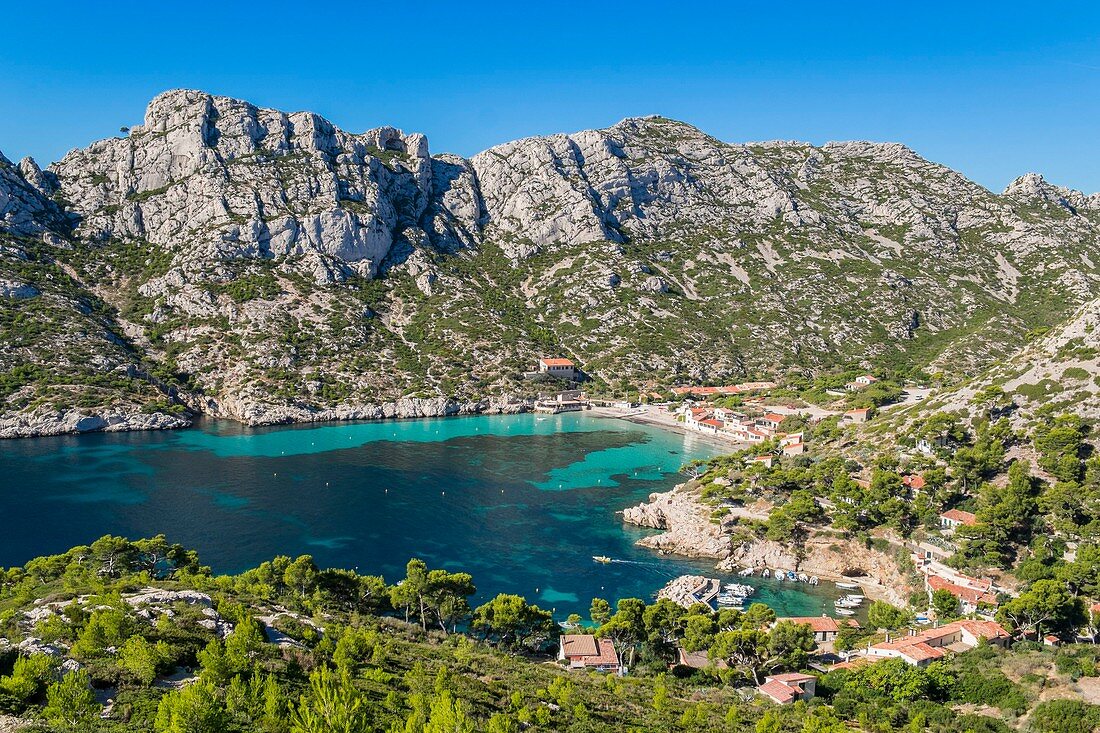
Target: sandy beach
[658, 417]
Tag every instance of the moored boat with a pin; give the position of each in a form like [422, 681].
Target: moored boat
[848, 586]
[845, 612]
[601, 558]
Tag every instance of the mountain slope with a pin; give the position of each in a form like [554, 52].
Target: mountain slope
[274, 267]
[1058, 372]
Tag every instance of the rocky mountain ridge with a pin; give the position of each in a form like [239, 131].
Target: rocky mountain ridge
[256, 264]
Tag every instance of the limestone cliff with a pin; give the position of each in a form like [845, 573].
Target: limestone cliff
[268, 265]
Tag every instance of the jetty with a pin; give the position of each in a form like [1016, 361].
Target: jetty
[687, 590]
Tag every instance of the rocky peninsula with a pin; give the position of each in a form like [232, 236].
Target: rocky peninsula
[690, 529]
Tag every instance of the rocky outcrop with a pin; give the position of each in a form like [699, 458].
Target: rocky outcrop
[25, 208]
[11, 724]
[260, 413]
[238, 181]
[688, 529]
[16, 290]
[44, 422]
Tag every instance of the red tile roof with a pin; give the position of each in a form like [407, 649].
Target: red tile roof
[556, 362]
[792, 677]
[962, 592]
[958, 515]
[819, 624]
[913, 482]
[779, 692]
[774, 417]
[727, 389]
[579, 645]
[589, 650]
[712, 423]
[919, 647]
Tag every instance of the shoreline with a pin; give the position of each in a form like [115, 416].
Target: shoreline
[657, 420]
[72, 423]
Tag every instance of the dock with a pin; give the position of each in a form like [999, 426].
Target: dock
[555, 406]
[687, 590]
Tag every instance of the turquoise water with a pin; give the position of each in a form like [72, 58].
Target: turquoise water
[520, 501]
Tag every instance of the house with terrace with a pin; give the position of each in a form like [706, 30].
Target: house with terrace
[924, 647]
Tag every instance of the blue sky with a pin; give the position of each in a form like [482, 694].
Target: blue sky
[994, 90]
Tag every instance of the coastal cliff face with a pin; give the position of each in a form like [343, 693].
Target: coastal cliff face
[270, 266]
[689, 531]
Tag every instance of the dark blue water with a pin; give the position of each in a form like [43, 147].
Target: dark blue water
[522, 502]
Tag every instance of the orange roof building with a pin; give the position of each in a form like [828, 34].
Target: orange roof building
[914, 482]
[585, 651]
[929, 645]
[784, 689]
[825, 628]
[969, 596]
[954, 517]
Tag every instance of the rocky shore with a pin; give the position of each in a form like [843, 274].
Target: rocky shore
[70, 422]
[690, 531]
[257, 413]
[253, 413]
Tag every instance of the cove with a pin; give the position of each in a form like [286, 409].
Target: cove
[522, 502]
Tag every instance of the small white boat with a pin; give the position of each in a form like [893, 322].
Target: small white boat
[848, 586]
[814, 580]
[748, 572]
[766, 573]
[602, 559]
[844, 603]
[791, 575]
[803, 578]
[854, 597]
[739, 589]
[845, 612]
